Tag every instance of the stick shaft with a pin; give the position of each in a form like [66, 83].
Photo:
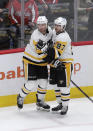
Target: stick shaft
[81, 91]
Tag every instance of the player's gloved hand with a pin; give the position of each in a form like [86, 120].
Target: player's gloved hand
[50, 43]
[56, 63]
[50, 55]
[42, 46]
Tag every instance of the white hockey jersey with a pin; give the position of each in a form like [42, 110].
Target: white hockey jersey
[32, 54]
[62, 45]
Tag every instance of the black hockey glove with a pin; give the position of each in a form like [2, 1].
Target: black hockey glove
[50, 55]
[42, 46]
[56, 63]
[50, 43]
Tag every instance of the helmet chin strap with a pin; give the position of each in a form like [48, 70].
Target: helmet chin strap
[61, 31]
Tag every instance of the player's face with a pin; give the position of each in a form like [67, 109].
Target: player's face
[42, 28]
[58, 28]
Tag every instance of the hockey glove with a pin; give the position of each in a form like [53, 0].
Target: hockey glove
[50, 43]
[56, 63]
[41, 45]
[50, 55]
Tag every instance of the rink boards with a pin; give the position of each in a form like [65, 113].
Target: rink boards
[12, 75]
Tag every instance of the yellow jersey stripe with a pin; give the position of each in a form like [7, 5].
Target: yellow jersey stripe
[26, 70]
[68, 71]
[67, 59]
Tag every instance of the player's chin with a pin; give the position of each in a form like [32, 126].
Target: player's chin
[42, 31]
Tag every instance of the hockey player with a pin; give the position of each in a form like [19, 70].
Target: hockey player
[60, 70]
[34, 66]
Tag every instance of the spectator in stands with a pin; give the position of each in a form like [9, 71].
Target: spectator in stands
[30, 15]
[3, 4]
[1, 10]
[47, 7]
[30, 12]
[68, 13]
[1, 19]
[4, 38]
[89, 35]
[48, 2]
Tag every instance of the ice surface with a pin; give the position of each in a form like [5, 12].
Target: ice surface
[78, 118]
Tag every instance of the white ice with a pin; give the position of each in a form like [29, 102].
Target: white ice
[78, 118]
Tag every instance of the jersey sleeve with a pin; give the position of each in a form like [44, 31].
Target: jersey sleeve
[34, 41]
[60, 46]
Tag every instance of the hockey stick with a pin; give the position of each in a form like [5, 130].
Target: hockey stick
[81, 91]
